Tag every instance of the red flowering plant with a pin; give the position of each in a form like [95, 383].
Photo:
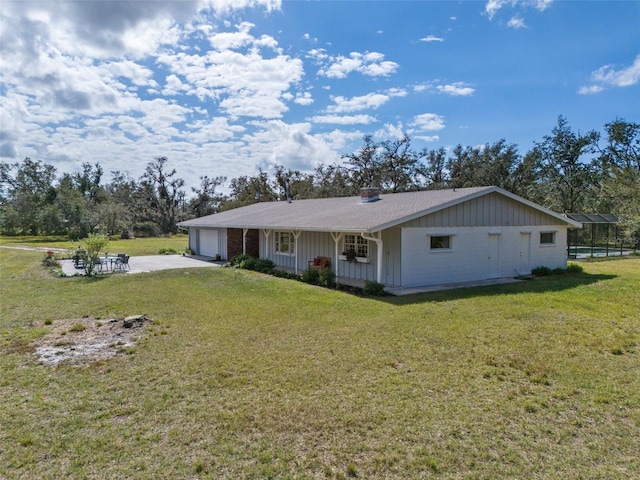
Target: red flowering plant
[50, 259]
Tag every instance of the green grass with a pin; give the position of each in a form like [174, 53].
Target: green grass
[135, 246]
[248, 376]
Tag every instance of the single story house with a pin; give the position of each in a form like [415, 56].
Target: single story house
[408, 239]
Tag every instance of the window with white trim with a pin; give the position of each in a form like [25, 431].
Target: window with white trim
[285, 243]
[356, 244]
[547, 238]
[440, 242]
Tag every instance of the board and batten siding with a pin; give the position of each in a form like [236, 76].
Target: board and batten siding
[318, 244]
[489, 210]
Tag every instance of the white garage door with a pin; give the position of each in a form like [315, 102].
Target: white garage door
[209, 243]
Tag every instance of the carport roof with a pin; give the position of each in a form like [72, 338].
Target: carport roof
[349, 214]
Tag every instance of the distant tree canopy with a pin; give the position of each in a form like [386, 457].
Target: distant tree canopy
[565, 171]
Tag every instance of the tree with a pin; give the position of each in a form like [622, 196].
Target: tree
[165, 193]
[364, 165]
[293, 184]
[623, 144]
[619, 175]
[434, 169]
[492, 164]
[400, 166]
[332, 181]
[566, 176]
[206, 201]
[26, 194]
[247, 190]
[92, 246]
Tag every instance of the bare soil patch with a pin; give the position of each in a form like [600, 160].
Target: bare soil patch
[86, 340]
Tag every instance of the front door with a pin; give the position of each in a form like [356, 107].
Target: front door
[525, 253]
[494, 254]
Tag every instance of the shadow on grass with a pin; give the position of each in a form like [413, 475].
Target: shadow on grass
[535, 285]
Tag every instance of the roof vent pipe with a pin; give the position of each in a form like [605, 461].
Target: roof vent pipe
[369, 194]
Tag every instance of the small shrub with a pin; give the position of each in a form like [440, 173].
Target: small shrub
[248, 263]
[352, 471]
[310, 275]
[327, 278]
[541, 271]
[264, 265]
[78, 327]
[167, 251]
[558, 271]
[48, 321]
[373, 289]
[574, 268]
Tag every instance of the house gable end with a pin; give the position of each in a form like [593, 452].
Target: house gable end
[492, 209]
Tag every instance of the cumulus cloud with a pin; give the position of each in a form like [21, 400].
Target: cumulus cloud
[370, 64]
[610, 76]
[363, 102]
[428, 122]
[303, 98]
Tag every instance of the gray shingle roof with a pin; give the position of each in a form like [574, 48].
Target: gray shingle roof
[346, 214]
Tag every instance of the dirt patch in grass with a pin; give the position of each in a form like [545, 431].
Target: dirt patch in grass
[85, 340]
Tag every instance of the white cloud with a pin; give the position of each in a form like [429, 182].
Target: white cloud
[343, 119]
[459, 89]
[516, 22]
[431, 38]
[243, 83]
[303, 98]
[591, 90]
[624, 77]
[291, 145]
[371, 64]
[428, 122]
[609, 76]
[390, 131]
[493, 6]
[363, 102]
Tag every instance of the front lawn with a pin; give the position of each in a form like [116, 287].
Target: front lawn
[134, 246]
[242, 375]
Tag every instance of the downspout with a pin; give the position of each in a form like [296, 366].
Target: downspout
[380, 252]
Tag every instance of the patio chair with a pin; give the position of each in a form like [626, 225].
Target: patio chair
[122, 262]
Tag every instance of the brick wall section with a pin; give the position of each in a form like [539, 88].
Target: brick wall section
[234, 243]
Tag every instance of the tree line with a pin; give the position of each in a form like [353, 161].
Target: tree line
[566, 171]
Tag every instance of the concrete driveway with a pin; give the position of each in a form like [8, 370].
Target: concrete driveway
[152, 263]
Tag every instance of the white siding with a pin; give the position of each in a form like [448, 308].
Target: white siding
[478, 253]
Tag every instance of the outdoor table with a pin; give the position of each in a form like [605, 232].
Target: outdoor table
[108, 262]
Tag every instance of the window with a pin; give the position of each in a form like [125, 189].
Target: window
[356, 244]
[285, 243]
[547, 238]
[440, 242]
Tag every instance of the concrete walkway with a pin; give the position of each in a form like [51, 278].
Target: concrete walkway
[151, 263]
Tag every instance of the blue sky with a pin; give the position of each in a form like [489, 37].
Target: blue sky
[224, 87]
